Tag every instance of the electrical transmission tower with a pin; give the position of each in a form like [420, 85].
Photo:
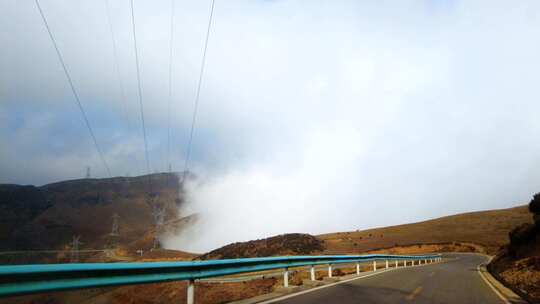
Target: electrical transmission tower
[114, 231]
[159, 220]
[75, 249]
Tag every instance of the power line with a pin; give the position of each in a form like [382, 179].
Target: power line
[118, 74]
[170, 88]
[141, 108]
[197, 95]
[116, 64]
[79, 104]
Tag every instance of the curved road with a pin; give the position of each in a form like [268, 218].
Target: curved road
[453, 281]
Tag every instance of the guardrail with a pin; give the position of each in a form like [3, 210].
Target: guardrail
[28, 279]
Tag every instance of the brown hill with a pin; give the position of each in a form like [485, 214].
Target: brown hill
[46, 217]
[483, 231]
[486, 228]
[285, 244]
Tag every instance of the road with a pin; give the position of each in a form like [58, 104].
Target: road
[454, 281]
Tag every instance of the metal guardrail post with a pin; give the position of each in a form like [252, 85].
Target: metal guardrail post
[286, 278]
[191, 292]
[396, 263]
[357, 268]
[386, 264]
[312, 271]
[374, 265]
[329, 270]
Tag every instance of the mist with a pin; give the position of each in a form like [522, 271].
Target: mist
[314, 117]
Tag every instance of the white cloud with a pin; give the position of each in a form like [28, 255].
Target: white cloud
[334, 111]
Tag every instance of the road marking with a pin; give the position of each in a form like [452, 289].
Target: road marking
[414, 293]
[491, 285]
[324, 286]
[332, 284]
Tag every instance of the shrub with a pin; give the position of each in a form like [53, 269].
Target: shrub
[521, 234]
[534, 205]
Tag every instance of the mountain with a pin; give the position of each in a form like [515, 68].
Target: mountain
[483, 231]
[487, 229]
[476, 231]
[47, 217]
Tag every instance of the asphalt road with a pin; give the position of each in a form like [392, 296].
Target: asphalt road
[453, 281]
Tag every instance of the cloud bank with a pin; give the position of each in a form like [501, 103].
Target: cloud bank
[314, 116]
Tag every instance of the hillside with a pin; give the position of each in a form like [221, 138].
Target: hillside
[460, 232]
[486, 228]
[483, 231]
[47, 217]
[518, 264]
[285, 244]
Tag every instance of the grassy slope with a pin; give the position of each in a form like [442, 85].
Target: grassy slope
[487, 228]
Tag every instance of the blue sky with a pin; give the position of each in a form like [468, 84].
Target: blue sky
[337, 110]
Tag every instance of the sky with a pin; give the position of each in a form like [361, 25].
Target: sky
[314, 116]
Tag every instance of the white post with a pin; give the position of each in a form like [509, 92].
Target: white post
[329, 270]
[397, 264]
[312, 271]
[191, 292]
[357, 268]
[386, 264]
[374, 265]
[286, 278]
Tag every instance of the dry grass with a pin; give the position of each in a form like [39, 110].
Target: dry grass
[486, 228]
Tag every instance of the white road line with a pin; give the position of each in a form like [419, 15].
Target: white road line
[491, 286]
[333, 284]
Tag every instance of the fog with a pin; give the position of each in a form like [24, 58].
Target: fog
[314, 116]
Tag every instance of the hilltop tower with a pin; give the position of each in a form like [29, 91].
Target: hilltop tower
[159, 220]
[114, 230]
[75, 249]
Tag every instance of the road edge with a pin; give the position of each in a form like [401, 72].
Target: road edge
[272, 297]
[507, 295]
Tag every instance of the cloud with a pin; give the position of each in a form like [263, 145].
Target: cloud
[314, 116]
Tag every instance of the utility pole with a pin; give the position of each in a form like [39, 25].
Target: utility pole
[88, 172]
